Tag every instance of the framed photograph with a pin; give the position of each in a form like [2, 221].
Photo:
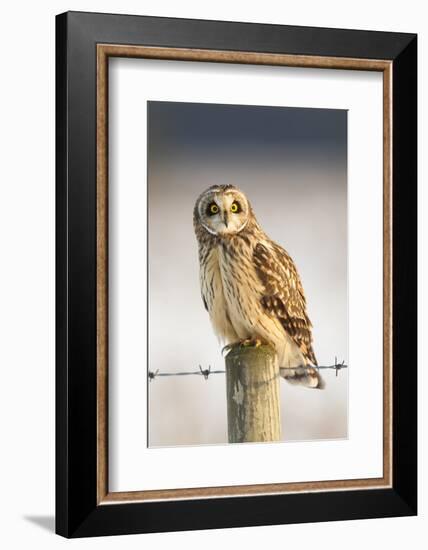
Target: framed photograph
[236, 274]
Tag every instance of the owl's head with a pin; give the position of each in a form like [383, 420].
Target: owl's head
[222, 210]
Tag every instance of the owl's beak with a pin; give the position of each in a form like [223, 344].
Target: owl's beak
[225, 218]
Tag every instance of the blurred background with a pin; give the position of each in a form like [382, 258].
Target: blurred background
[292, 165]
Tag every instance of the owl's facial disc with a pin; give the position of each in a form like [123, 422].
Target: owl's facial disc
[224, 212]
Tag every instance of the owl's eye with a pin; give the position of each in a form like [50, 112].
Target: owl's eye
[236, 207]
[213, 208]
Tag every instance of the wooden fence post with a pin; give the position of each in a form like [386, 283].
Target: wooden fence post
[252, 385]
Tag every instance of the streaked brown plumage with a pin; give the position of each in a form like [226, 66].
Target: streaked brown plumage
[250, 285]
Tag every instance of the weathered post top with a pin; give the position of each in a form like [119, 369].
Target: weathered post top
[253, 402]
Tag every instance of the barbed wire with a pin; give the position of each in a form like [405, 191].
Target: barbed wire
[206, 373]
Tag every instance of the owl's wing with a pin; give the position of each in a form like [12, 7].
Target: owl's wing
[284, 296]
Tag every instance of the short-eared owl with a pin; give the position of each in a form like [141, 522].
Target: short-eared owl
[250, 285]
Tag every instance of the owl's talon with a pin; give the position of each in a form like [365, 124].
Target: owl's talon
[256, 342]
[227, 349]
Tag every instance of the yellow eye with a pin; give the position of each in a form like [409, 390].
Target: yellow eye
[213, 209]
[234, 208]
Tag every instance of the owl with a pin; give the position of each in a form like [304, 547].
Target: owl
[250, 285]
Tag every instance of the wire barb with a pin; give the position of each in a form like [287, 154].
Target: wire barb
[339, 366]
[152, 375]
[205, 373]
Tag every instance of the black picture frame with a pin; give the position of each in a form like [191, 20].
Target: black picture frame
[77, 511]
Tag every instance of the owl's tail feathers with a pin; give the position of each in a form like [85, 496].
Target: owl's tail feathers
[306, 376]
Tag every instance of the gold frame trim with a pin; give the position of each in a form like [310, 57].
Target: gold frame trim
[104, 51]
